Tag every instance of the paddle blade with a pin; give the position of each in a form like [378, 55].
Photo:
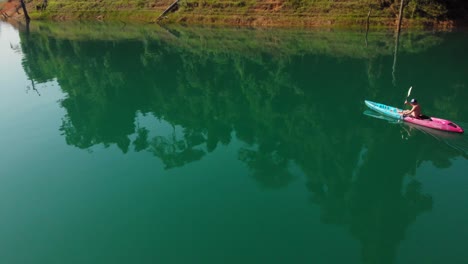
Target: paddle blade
[409, 91]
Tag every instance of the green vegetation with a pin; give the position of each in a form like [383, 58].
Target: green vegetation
[262, 12]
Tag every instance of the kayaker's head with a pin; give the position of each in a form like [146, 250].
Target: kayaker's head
[414, 101]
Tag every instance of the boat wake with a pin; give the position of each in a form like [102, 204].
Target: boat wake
[456, 141]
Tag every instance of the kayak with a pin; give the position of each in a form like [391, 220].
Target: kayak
[431, 122]
[374, 114]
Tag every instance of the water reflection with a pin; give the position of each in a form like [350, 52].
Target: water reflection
[290, 100]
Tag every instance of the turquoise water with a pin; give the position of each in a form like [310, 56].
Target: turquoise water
[129, 144]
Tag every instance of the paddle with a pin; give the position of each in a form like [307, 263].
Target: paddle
[409, 92]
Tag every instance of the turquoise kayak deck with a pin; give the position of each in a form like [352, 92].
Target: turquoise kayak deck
[386, 110]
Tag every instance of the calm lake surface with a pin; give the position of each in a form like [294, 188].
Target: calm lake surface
[132, 144]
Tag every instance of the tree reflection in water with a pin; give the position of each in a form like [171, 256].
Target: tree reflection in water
[289, 104]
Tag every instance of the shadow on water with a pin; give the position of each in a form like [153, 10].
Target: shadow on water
[288, 97]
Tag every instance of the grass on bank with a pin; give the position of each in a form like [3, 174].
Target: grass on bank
[243, 12]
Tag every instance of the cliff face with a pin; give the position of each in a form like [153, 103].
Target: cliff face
[251, 12]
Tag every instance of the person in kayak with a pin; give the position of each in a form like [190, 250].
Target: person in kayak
[415, 110]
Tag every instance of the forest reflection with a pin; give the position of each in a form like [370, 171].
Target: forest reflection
[287, 98]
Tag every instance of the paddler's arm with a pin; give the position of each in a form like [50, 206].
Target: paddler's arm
[407, 112]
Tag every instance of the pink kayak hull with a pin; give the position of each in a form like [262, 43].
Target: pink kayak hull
[436, 123]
